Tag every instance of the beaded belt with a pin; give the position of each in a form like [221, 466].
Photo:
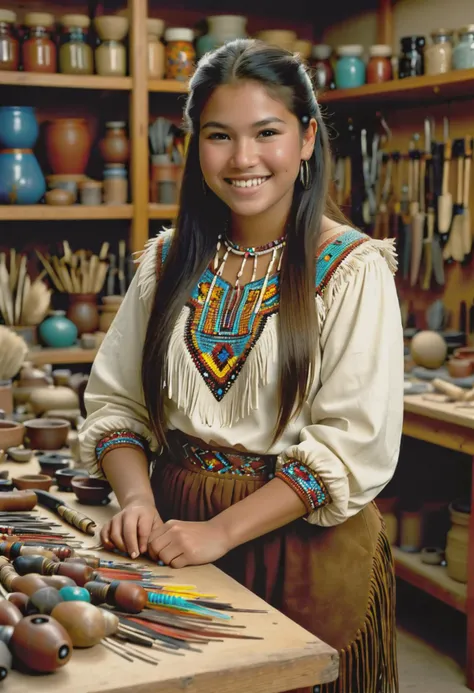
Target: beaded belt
[236, 463]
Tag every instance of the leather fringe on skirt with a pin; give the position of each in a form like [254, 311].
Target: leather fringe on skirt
[337, 582]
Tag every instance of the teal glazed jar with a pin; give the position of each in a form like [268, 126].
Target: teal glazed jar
[463, 53]
[350, 67]
[57, 331]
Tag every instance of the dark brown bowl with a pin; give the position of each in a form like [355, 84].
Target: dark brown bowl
[49, 464]
[27, 481]
[91, 491]
[65, 476]
[47, 434]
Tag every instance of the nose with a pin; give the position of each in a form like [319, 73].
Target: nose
[245, 153]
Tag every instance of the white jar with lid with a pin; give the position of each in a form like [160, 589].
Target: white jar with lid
[155, 48]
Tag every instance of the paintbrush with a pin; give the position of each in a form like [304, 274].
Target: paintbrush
[445, 200]
[455, 248]
[466, 216]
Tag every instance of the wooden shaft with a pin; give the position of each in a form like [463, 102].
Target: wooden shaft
[385, 22]
[139, 123]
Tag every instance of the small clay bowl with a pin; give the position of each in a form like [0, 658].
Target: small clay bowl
[49, 464]
[20, 454]
[59, 196]
[65, 476]
[459, 368]
[47, 434]
[27, 481]
[11, 434]
[91, 491]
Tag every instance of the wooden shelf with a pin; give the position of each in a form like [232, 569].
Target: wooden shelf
[168, 85]
[455, 84]
[39, 357]
[59, 81]
[71, 212]
[432, 579]
[156, 211]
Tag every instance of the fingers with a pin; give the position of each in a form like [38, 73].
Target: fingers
[116, 536]
[105, 536]
[179, 562]
[145, 525]
[129, 533]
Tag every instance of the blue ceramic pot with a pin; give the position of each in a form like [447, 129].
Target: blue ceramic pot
[18, 127]
[57, 331]
[21, 179]
[350, 68]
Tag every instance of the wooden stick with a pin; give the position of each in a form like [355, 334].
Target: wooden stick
[104, 251]
[52, 274]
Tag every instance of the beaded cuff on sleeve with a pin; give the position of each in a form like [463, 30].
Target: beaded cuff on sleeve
[118, 439]
[306, 483]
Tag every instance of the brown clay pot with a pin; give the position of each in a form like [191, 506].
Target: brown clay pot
[47, 434]
[83, 312]
[68, 144]
[114, 147]
[11, 434]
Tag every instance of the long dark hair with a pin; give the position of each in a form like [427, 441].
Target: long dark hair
[202, 217]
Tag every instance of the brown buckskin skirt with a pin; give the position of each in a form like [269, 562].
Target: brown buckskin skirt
[336, 582]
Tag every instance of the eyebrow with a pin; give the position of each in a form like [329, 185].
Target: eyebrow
[258, 124]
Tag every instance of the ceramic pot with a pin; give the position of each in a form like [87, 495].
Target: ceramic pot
[68, 144]
[21, 179]
[91, 491]
[111, 27]
[458, 542]
[18, 127]
[278, 37]
[222, 28]
[57, 331]
[65, 476]
[47, 434]
[11, 434]
[27, 481]
[44, 399]
[114, 147]
[83, 312]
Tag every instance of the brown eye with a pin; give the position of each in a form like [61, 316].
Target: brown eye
[218, 136]
[267, 133]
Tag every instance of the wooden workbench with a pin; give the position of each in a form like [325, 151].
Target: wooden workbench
[450, 427]
[287, 657]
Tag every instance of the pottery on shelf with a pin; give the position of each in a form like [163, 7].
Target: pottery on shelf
[47, 434]
[114, 147]
[65, 476]
[43, 399]
[68, 144]
[83, 312]
[111, 27]
[221, 29]
[457, 542]
[278, 37]
[57, 196]
[27, 481]
[21, 179]
[57, 330]
[91, 491]
[459, 368]
[18, 127]
[11, 434]
[20, 454]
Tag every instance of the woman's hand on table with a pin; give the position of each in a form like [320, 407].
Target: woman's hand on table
[129, 531]
[179, 544]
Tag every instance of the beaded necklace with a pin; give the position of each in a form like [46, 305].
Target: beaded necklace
[245, 253]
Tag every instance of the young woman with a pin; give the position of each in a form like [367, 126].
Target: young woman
[259, 351]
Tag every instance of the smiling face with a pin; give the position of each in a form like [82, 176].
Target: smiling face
[250, 149]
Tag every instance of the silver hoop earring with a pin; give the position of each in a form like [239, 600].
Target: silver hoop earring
[305, 175]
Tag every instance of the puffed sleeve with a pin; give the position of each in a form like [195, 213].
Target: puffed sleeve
[114, 401]
[350, 450]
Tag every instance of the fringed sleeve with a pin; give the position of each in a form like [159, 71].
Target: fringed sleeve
[353, 442]
[114, 397]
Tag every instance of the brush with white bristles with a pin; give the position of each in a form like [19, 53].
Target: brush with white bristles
[13, 350]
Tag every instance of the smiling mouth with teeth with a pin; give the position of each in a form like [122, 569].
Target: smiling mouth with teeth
[249, 183]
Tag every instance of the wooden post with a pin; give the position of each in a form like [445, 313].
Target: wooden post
[139, 123]
[385, 22]
[470, 594]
